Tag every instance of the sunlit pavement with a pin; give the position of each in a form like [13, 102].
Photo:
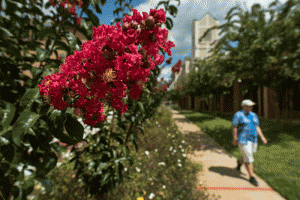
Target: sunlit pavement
[219, 175]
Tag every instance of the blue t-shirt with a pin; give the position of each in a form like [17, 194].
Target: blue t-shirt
[246, 126]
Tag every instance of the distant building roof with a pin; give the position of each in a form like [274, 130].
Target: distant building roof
[208, 13]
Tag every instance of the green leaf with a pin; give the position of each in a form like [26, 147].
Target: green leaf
[117, 137]
[169, 23]
[42, 34]
[126, 151]
[114, 154]
[102, 166]
[26, 120]
[92, 16]
[96, 7]
[6, 132]
[119, 170]
[147, 90]
[28, 186]
[103, 2]
[49, 163]
[86, 28]
[116, 11]
[41, 54]
[21, 176]
[173, 10]
[105, 178]
[133, 140]
[56, 121]
[18, 154]
[72, 40]
[29, 97]
[63, 46]
[141, 107]
[141, 129]
[7, 114]
[4, 31]
[74, 128]
[129, 6]
[131, 160]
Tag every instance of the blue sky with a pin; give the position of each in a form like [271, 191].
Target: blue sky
[187, 11]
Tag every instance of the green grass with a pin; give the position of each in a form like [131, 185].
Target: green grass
[277, 162]
[165, 172]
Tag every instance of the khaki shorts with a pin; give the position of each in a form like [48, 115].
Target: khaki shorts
[248, 151]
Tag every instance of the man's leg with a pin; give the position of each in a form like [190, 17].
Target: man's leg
[249, 167]
[249, 150]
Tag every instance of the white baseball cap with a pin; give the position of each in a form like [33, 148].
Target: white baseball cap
[247, 102]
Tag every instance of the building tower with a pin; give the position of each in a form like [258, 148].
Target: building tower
[200, 50]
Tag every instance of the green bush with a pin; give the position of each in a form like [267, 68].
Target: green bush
[161, 168]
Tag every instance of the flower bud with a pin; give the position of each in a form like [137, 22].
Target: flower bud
[134, 25]
[143, 24]
[150, 20]
[125, 26]
[168, 61]
[143, 52]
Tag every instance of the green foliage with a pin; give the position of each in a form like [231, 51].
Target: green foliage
[175, 95]
[165, 171]
[28, 124]
[267, 52]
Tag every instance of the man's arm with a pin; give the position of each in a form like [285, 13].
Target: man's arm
[234, 132]
[261, 135]
[234, 135]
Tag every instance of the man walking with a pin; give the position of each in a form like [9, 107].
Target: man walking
[245, 129]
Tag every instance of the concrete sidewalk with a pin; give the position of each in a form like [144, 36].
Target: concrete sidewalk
[219, 175]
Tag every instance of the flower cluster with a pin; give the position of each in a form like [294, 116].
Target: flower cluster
[177, 66]
[162, 88]
[117, 60]
[70, 6]
[168, 61]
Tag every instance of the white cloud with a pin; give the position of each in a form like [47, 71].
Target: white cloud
[165, 71]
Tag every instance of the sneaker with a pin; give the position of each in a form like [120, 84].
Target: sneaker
[238, 168]
[253, 181]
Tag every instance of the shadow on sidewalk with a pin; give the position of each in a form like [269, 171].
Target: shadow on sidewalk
[226, 171]
[202, 142]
